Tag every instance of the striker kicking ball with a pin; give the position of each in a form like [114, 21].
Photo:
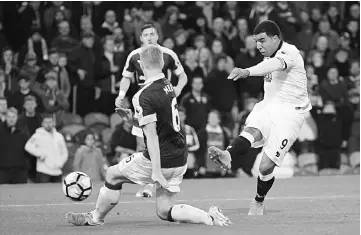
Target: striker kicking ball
[77, 186]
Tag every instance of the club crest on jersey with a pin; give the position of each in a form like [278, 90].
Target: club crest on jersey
[138, 112]
[268, 77]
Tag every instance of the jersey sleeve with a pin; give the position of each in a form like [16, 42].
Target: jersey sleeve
[175, 64]
[287, 57]
[145, 111]
[129, 68]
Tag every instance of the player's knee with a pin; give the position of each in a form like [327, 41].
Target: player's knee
[266, 166]
[112, 175]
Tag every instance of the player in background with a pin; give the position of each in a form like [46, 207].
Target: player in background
[164, 160]
[276, 121]
[132, 70]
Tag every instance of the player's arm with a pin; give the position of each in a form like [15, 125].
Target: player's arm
[150, 131]
[128, 75]
[147, 118]
[281, 61]
[179, 71]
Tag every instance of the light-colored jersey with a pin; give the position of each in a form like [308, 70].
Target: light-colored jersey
[289, 84]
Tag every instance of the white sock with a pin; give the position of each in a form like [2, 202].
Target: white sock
[189, 214]
[107, 200]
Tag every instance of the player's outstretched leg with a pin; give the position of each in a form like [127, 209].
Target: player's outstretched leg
[238, 146]
[264, 183]
[169, 211]
[108, 198]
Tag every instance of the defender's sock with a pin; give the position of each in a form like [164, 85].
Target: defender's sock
[264, 184]
[188, 214]
[240, 145]
[108, 198]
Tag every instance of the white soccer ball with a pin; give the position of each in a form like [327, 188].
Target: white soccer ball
[77, 186]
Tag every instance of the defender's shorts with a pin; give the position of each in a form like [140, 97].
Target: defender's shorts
[138, 169]
[279, 124]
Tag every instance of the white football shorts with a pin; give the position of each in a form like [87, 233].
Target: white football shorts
[280, 125]
[138, 169]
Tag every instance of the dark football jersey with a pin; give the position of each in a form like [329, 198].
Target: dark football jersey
[132, 66]
[156, 102]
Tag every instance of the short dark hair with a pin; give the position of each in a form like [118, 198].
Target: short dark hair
[47, 115]
[148, 26]
[269, 27]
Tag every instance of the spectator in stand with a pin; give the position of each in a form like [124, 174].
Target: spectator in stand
[214, 134]
[201, 28]
[197, 104]
[286, 18]
[316, 17]
[246, 59]
[259, 12]
[353, 84]
[306, 32]
[322, 46]
[49, 147]
[171, 22]
[180, 39]
[191, 68]
[110, 23]
[205, 60]
[342, 62]
[30, 67]
[354, 12]
[29, 121]
[89, 159]
[52, 64]
[4, 92]
[218, 51]
[324, 29]
[120, 45]
[3, 110]
[222, 91]
[109, 74]
[315, 59]
[82, 63]
[238, 41]
[30, 17]
[64, 43]
[345, 44]
[53, 98]
[123, 143]
[86, 27]
[169, 43]
[18, 98]
[353, 28]
[334, 90]
[313, 88]
[64, 75]
[218, 33]
[13, 162]
[10, 69]
[334, 18]
[50, 13]
[35, 45]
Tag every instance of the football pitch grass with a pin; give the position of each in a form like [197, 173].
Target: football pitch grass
[303, 205]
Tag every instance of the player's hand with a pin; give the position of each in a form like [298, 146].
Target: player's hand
[159, 180]
[177, 91]
[125, 113]
[119, 101]
[237, 73]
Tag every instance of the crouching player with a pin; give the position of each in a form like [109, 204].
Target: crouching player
[164, 161]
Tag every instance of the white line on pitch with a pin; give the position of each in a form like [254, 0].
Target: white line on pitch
[191, 200]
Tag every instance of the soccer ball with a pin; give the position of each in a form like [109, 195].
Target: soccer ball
[77, 186]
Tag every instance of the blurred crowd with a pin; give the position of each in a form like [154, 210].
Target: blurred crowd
[61, 64]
